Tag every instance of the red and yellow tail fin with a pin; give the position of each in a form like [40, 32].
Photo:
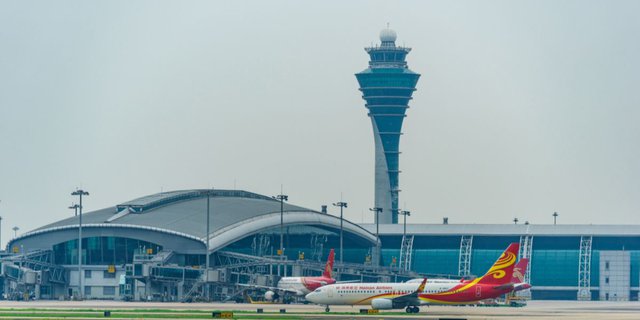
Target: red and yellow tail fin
[502, 270]
[328, 269]
[520, 270]
[421, 287]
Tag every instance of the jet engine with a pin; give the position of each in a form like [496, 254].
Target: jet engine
[383, 303]
[271, 296]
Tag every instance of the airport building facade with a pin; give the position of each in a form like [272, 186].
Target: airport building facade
[567, 262]
[153, 248]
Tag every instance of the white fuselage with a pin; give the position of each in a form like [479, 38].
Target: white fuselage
[363, 293]
[293, 284]
[419, 280]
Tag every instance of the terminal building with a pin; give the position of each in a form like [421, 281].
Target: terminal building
[567, 262]
[153, 248]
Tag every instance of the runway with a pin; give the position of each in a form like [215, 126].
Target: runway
[534, 310]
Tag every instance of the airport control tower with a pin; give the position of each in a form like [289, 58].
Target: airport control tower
[387, 86]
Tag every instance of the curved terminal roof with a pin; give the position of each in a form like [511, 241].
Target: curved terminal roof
[234, 214]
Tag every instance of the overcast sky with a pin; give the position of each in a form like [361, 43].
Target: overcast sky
[523, 108]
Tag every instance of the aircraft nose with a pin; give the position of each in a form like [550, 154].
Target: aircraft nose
[310, 296]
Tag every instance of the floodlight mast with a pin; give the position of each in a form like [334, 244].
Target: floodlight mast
[80, 193]
[282, 198]
[75, 208]
[405, 213]
[206, 269]
[0, 231]
[377, 211]
[342, 205]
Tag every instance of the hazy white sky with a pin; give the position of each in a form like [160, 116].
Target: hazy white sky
[523, 108]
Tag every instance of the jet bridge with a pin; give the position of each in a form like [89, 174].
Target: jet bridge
[33, 275]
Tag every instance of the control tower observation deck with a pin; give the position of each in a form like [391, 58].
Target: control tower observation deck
[387, 86]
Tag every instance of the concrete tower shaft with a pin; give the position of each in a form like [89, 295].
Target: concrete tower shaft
[387, 86]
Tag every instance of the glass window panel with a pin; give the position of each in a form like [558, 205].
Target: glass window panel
[109, 291]
[101, 250]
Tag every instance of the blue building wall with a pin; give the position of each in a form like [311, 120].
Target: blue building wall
[554, 261]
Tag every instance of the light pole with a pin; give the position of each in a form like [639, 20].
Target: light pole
[341, 205]
[0, 232]
[405, 213]
[80, 193]
[282, 198]
[206, 269]
[15, 232]
[75, 208]
[377, 210]
[555, 215]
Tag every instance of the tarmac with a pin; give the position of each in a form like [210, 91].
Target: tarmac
[533, 310]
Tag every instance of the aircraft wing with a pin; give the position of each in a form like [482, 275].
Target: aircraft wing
[255, 286]
[411, 298]
[508, 286]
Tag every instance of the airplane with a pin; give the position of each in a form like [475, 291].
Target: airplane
[519, 270]
[410, 295]
[301, 286]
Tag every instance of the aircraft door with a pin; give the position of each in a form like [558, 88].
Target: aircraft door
[330, 292]
[478, 291]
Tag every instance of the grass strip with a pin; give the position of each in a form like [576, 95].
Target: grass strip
[91, 315]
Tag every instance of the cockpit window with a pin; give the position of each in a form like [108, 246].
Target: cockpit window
[318, 290]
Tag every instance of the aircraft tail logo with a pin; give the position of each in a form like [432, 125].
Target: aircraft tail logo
[422, 285]
[520, 270]
[502, 270]
[328, 269]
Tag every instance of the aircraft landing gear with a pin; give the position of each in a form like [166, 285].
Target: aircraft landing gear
[327, 309]
[412, 309]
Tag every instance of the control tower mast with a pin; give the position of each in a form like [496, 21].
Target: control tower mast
[386, 86]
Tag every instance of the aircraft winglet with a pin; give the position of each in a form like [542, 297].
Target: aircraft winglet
[422, 284]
